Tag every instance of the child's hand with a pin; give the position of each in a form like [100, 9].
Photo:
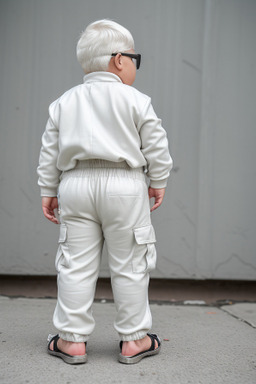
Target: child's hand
[48, 206]
[158, 194]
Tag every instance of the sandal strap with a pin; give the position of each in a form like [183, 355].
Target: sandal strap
[55, 341]
[153, 338]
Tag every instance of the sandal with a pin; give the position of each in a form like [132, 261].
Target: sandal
[78, 359]
[136, 358]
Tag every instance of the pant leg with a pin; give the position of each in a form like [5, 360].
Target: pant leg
[78, 259]
[129, 236]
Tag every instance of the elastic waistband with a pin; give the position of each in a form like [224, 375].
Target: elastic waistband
[98, 163]
[104, 168]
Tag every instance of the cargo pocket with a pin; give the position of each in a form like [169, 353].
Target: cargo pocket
[144, 257]
[63, 255]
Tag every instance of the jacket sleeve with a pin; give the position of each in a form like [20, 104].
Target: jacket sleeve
[47, 170]
[154, 146]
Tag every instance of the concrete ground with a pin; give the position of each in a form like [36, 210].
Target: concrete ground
[201, 344]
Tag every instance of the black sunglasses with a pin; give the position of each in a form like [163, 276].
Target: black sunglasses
[136, 56]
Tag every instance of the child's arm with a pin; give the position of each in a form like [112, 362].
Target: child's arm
[158, 194]
[47, 170]
[154, 146]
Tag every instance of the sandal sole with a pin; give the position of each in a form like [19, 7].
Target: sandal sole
[69, 359]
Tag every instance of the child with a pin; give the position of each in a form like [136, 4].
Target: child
[101, 138]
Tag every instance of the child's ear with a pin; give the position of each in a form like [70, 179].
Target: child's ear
[118, 61]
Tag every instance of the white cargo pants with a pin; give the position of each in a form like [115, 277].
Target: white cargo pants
[98, 201]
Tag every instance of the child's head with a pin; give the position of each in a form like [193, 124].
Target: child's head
[99, 41]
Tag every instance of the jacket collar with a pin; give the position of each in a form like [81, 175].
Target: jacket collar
[101, 77]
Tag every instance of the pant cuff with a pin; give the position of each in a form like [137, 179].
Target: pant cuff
[133, 336]
[75, 338]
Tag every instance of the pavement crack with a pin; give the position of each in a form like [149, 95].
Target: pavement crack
[238, 317]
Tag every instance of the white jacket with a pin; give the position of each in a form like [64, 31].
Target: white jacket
[103, 119]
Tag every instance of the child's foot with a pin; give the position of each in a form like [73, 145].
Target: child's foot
[133, 351]
[70, 348]
[131, 348]
[71, 353]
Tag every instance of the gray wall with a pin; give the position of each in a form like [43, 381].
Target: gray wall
[199, 66]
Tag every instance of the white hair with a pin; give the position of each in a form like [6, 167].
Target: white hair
[99, 40]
